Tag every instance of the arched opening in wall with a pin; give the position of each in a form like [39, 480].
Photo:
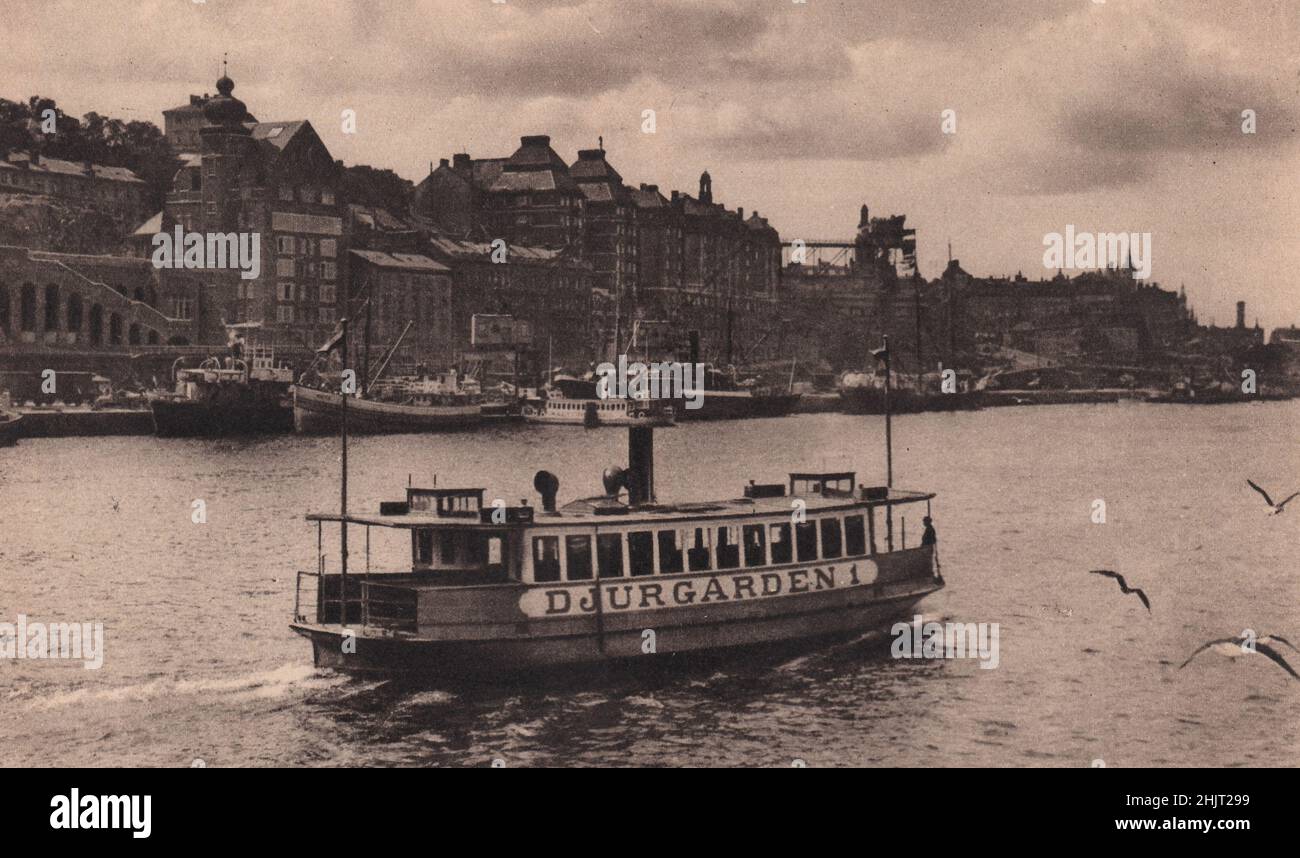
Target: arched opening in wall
[133, 335]
[114, 330]
[138, 294]
[75, 313]
[153, 337]
[96, 325]
[27, 308]
[51, 307]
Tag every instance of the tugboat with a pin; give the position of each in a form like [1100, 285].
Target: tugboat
[497, 590]
[247, 394]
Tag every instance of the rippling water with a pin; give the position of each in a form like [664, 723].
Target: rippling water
[200, 663]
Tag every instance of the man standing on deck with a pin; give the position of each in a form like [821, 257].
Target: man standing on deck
[929, 537]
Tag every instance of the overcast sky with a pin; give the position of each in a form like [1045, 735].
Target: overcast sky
[1115, 116]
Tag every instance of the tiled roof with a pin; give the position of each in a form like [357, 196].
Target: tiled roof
[470, 249]
[529, 180]
[403, 261]
[41, 164]
[278, 134]
[152, 226]
[486, 170]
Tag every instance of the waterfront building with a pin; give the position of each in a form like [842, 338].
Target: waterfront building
[275, 179]
[74, 312]
[540, 286]
[388, 291]
[115, 192]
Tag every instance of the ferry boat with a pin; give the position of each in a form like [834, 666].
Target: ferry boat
[496, 590]
[574, 401]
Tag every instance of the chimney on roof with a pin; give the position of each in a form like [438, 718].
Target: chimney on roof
[740, 212]
[443, 162]
[1241, 314]
[591, 154]
[676, 194]
[535, 140]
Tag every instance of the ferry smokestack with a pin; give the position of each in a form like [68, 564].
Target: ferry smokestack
[547, 485]
[1241, 315]
[640, 465]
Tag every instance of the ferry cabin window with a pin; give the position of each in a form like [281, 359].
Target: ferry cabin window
[577, 554]
[805, 540]
[697, 557]
[424, 547]
[728, 549]
[609, 555]
[670, 552]
[641, 552]
[855, 535]
[782, 547]
[447, 548]
[832, 543]
[755, 545]
[546, 559]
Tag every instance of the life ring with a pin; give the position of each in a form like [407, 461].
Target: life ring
[530, 411]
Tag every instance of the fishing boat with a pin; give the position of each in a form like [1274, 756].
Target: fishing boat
[317, 412]
[496, 589]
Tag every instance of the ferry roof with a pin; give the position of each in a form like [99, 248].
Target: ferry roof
[582, 512]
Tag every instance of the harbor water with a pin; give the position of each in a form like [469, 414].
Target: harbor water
[186, 552]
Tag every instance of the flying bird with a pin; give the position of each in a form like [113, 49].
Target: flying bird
[1245, 644]
[1274, 508]
[1123, 585]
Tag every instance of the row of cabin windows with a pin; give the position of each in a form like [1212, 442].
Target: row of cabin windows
[733, 546]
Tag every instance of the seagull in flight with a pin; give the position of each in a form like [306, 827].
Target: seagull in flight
[1123, 585]
[1245, 644]
[1275, 508]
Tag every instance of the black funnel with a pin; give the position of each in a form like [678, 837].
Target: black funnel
[614, 479]
[547, 485]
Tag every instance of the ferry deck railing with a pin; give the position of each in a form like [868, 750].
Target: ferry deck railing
[369, 603]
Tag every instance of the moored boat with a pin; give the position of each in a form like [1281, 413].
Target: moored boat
[318, 412]
[11, 427]
[246, 394]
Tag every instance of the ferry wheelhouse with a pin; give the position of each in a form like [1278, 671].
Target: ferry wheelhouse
[494, 589]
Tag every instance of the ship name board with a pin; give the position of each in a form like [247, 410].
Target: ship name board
[618, 595]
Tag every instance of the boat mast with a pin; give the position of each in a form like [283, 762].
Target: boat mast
[343, 498]
[882, 353]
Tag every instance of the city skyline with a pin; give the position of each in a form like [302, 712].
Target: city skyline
[1117, 116]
